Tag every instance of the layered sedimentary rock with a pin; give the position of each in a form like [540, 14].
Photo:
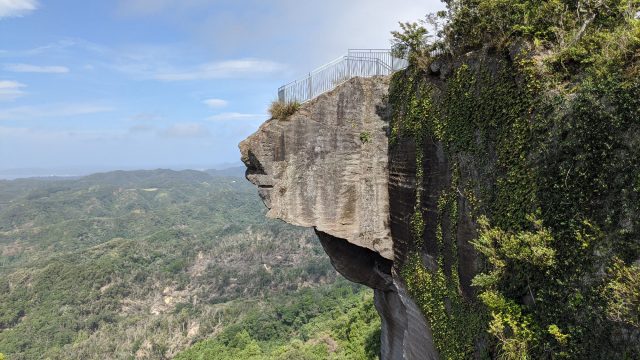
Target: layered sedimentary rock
[327, 167]
[487, 176]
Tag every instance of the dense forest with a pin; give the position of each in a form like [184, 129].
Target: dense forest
[144, 264]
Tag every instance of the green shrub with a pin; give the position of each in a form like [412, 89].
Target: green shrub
[411, 43]
[624, 294]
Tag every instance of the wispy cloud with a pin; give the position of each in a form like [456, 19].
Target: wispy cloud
[186, 130]
[215, 103]
[153, 7]
[28, 68]
[323, 29]
[145, 117]
[12, 8]
[221, 69]
[39, 135]
[10, 90]
[51, 111]
[234, 116]
[146, 62]
[67, 47]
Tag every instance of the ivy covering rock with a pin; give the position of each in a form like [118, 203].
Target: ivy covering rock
[536, 107]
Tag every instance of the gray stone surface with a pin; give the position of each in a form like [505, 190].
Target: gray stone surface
[405, 333]
[315, 170]
[326, 166]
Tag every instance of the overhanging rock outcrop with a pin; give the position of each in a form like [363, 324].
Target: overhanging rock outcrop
[326, 167]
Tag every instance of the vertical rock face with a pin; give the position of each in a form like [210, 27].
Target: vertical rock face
[436, 179]
[470, 141]
[326, 166]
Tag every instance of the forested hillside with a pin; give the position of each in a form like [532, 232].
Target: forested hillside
[142, 264]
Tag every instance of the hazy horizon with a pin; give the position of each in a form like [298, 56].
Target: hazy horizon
[20, 173]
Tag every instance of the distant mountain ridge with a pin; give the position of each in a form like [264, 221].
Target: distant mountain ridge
[162, 178]
[236, 171]
[228, 169]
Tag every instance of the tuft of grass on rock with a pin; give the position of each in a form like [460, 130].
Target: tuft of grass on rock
[282, 110]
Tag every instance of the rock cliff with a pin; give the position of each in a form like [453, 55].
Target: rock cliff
[326, 166]
[495, 212]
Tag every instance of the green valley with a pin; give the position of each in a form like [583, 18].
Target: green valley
[143, 264]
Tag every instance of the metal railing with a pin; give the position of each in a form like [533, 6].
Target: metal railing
[356, 63]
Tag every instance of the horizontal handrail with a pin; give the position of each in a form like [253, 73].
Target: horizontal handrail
[356, 63]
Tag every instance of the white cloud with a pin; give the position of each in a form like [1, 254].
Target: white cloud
[145, 62]
[10, 90]
[10, 8]
[322, 30]
[50, 111]
[28, 68]
[71, 48]
[215, 103]
[185, 130]
[221, 69]
[234, 116]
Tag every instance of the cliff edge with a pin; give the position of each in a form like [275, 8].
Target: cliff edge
[326, 167]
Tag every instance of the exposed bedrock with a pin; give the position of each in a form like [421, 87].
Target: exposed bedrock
[405, 334]
[436, 179]
[326, 167]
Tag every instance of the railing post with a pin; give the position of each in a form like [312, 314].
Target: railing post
[281, 94]
[310, 95]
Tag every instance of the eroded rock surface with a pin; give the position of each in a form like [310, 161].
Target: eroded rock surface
[326, 165]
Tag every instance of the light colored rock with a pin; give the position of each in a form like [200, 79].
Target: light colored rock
[315, 170]
[326, 166]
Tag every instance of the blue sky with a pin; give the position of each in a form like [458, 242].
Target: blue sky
[163, 83]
